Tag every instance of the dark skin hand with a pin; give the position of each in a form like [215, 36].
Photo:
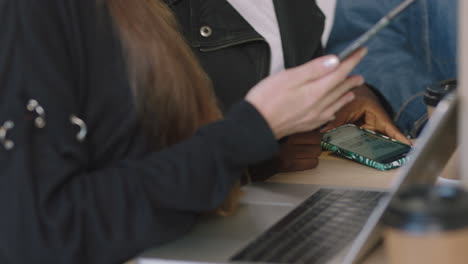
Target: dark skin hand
[367, 112]
[300, 152]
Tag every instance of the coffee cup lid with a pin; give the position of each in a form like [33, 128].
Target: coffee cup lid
[436, 92]
[427, 208]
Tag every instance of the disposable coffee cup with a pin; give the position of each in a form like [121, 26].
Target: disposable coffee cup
[436, 92]
[427, 224]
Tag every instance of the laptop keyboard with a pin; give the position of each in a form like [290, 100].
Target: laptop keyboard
[316, 230]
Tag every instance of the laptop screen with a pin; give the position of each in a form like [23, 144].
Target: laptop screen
[463, 83]
[429, 155]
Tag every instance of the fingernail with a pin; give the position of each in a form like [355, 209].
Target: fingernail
[361, 81]
[364, 52]
[331, 62]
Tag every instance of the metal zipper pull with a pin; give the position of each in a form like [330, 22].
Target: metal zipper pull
[81, 135]
[8, 144]
[34, 106]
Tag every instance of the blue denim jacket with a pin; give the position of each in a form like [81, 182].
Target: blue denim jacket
[417, 49]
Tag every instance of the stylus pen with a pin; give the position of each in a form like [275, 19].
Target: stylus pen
[384, 21]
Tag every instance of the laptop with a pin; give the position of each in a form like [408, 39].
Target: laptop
[300, 223]
[429, 156]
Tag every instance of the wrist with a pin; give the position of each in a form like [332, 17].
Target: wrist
[268, 115]
[378, 98]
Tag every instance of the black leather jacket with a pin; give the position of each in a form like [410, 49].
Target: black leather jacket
[233, 54]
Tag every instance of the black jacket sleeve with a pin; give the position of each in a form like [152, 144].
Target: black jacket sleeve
[108, 198]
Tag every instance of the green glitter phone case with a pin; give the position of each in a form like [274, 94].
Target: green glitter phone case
[366, 147]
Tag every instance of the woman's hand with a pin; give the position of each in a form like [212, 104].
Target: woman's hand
[305, 97]
[300, 152]
[367, 112]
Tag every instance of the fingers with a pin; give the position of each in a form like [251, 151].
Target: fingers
[333, 124]
[378, 120]
[393, 132]
[298, 157]
[329, 113]
[341, 89]
[312, 70]
[321, 67]
[390, 131]
[300, 89]
[384, 124]
[306, 151]
[396, 134]
[330, 81]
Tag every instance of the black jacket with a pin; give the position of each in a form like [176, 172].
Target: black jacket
[233, 54]
[236, 57]
[105, 197]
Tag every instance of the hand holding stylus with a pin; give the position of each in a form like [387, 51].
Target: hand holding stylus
[305, 97]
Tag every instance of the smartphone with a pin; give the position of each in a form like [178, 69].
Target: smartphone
[383, 22]
[366, 147]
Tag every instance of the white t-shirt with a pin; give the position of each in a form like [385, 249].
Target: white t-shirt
[328, 8]
[262, 17]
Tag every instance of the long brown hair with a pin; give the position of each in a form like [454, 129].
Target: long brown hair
[174, 94]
